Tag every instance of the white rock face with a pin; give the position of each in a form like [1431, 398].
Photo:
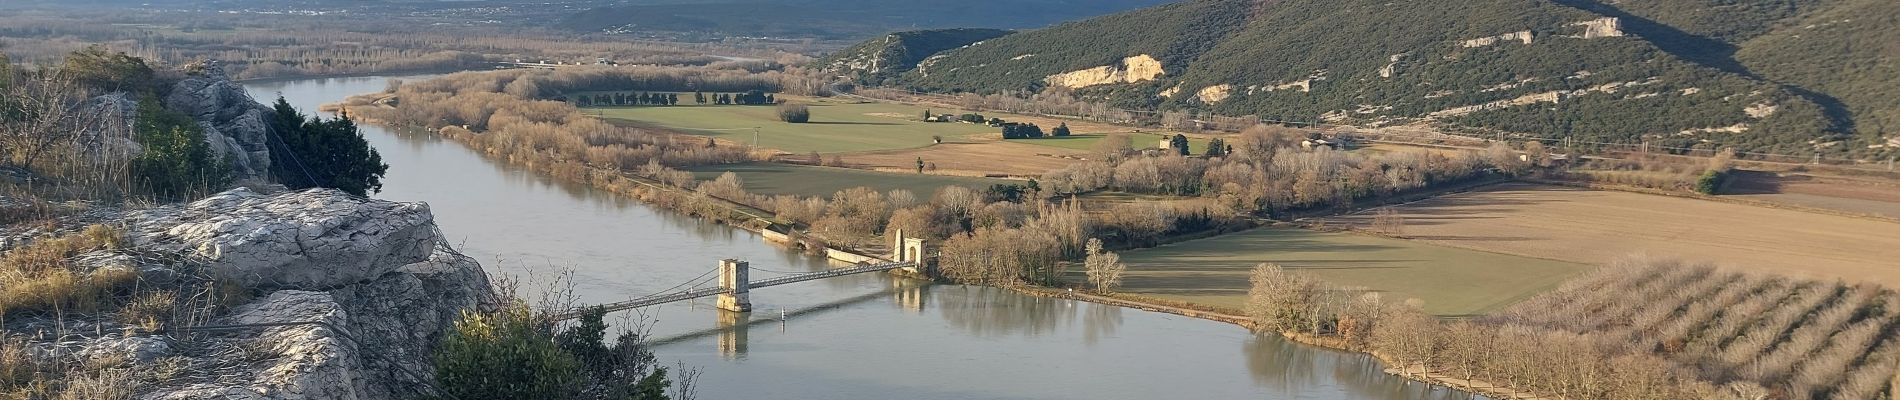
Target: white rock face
[1139, 68]
[1522, 36]
[313, 240]
[1214, 94]
[234, 124]
[1601, 28]
[313, 361]
[377, 274]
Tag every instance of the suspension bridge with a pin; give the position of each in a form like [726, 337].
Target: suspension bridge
[735, 283]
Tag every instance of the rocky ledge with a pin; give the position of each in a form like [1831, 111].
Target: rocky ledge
[347, 296]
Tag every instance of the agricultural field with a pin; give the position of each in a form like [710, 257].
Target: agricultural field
[1595, 227]
[1811, 338]
[835, 126]
[1450, 281]
[1102, 202]
[776, 179]
[974, 159]
[1086, 141]
[1848, 195]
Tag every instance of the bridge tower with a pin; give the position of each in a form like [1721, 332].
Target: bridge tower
[733, 277]
[897, 245]
[914, 251]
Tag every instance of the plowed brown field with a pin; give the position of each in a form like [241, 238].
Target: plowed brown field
[1594, 226]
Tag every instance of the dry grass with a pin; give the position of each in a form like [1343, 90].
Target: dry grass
[40, 277]
[974, 158]
[1596, 227]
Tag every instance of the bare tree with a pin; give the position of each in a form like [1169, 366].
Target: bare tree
[1409, 335]
[1113, 146]
[1104, 268]
[1388, 221]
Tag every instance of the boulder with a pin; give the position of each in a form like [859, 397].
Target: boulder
[401, 316]
[307, 361]
[376, 273]
[236, 126]
[317, 239]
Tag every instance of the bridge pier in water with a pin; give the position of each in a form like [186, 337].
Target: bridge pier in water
[733, 278]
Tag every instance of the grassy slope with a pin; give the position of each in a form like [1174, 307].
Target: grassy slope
[834, 127]
[1450, 281]
[776, 179]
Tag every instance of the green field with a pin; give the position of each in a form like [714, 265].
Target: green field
[835, 127]
[1451, 282]
[776, 179]
[1087, 141]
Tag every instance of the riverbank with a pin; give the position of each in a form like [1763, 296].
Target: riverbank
[1231, 316]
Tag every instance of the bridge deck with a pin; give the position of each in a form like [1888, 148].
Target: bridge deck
[714, 291]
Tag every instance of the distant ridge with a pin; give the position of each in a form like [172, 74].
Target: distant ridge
[1761, 75]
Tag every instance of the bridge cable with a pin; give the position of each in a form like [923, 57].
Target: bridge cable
[781, 272]
[695, 282]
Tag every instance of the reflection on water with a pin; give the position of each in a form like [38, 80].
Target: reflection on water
[869, 336]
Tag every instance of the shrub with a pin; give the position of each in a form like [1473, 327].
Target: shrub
[515, 353]
[505, 354]
[1710, 181]
[794, 113]
[176, 162]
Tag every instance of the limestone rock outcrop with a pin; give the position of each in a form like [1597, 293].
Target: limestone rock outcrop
[378, 274]
[1140, 68]
[236, 126]
[347, 297]
[312, 240]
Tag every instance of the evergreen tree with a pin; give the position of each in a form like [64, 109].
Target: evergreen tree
[311, 152]
[1060, 130]
[1180, 144]
[699, 97]
[1216, 147]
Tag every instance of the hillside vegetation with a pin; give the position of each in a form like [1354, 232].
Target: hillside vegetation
[836, 19]
[1779, 76]
[879, 60]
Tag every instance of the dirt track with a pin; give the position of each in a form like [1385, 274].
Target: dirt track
[1596, 226]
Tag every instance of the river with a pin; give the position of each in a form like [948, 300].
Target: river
[867, 336]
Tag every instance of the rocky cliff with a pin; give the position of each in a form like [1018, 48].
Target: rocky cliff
[236, 125]
[339, 297]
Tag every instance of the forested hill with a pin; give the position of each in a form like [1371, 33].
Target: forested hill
[839, 19]
[878, 61]
[1782, 76]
